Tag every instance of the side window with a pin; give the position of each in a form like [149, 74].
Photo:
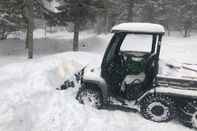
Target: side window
[113, 46]
[137, 43]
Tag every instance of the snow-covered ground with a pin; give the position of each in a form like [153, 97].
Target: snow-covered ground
[13, 49]
[29, 100]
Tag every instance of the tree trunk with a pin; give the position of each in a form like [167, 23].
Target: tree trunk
[186, 31]
[3, 34]
[106, 21]
[187, 27]
[26, 40]
[149, 13]
[30, 39]
[28, 15]
[130, 11]
[45, 31]
[167, 28]
[76, 36]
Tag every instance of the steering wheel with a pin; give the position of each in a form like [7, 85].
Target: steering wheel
[122, 57]
[150, 66]
[136, 81]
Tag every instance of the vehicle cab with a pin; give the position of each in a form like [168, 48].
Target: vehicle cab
[130, 61]
[132, 53]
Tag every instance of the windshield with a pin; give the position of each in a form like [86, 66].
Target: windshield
[137, 43]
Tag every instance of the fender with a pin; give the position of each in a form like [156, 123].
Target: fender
[93, 76]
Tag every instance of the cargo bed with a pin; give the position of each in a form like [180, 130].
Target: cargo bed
[184, 75]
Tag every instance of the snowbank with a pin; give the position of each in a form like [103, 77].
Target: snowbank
[29, 100]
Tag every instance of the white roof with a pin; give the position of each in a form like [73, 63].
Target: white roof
[139, 28]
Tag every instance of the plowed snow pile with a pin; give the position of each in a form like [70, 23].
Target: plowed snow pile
[30, 102]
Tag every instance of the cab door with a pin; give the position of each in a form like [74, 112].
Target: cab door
[112, 62]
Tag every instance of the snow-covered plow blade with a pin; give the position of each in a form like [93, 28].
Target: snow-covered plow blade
[76, 78]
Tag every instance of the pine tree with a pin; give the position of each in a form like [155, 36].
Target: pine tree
[129, 9]
[19, 14]
[187, 14]
[78, 12]
[165, 13]
[10, 17]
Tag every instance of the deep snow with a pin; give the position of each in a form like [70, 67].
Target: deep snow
[29, 100]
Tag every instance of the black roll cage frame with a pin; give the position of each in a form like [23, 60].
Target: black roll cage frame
[156, 46]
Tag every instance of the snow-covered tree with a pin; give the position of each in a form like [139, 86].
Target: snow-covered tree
[19, 14]
[129, 8]
[77, 12]
[164, 13]
[187, 14]
[10, 17]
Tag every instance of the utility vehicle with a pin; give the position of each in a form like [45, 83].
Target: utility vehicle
[129, 74]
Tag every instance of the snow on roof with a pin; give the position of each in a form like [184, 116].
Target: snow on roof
[139, 28]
